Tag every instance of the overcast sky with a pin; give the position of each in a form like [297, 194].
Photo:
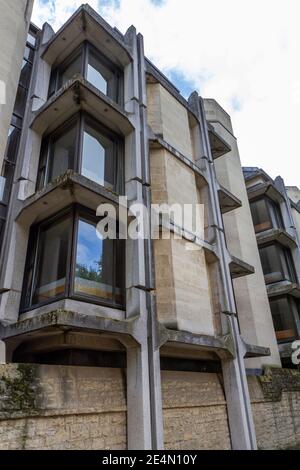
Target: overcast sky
[243, 53]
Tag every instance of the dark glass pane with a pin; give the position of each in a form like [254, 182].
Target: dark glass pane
[52, 260]
[52, 86]
[20, 102]
[42, 165]
[8, 174]
[12, 144]
[120, 272]
[2, 222]
[62, 153]
[94, 263]
[260, 215]
[98, 157]
[25, 74]
[283, 319]
[70, 70]
[271, 264]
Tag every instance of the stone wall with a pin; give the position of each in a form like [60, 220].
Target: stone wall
[58, 407]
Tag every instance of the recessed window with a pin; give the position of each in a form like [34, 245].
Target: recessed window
[85, 146]
[265, 214]
[283, 310]
[92, 65]
[68, 258]
[277, 264]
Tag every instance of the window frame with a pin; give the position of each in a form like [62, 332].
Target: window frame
[293, 311]
[274, 214]
[76, 212]
[281, 252]
[78, 120]
[84, 51]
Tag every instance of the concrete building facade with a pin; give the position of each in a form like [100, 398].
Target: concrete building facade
[167, 321]
[276, 213]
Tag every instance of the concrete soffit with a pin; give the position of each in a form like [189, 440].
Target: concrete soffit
[86, 24]
[78, 94]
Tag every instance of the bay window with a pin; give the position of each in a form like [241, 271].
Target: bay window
[277, 263]
[88, 148]
[94, 67]
[265, 214]
[67, 258]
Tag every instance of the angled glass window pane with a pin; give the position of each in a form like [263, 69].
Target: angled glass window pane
[98, 157]
[20, 102]
[94, 263]
[100, 76]
[12, 144]
[52, 260]
[71, 69]
[62, 153]
[270, 260]
[260, 215]
[25, 74]
[283, 319]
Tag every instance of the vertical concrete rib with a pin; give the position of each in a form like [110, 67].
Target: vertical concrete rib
[234, 374]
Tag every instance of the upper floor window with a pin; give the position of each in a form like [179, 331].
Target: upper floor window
[265, 214]
[94, 67]
[85, 146]
[68, 258]
[277, 264]
[283, 311]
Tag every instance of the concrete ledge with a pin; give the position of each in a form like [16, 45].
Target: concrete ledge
[70, 320]
[267, 189]
[276, 234]
[78, 94]
[228, 202]
[218, 145]
[184, 339]
[283, 288]
[68, 189]
[256, 351]
[239, 268]
[86, 24]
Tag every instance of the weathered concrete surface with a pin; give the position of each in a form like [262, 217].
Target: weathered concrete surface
[251, 298]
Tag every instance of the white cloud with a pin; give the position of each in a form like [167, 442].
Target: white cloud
[242, 53]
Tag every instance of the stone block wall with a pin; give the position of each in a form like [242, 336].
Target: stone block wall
[59, 407]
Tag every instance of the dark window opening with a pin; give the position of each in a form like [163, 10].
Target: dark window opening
[283, 310]
[277, 264]
[87, 147]
[67, 258]
[266, 214]
[94, 67]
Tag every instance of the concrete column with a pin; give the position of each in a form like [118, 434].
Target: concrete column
[145, 425]
[234, 374]
[138, 399]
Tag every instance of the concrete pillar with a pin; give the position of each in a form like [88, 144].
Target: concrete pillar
[145, 424]
[234, 374]
[2, 353]
[138, 399]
